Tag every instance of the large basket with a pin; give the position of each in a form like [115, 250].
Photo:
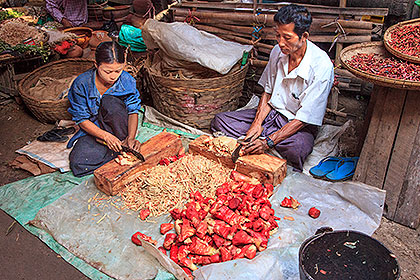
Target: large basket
[376, 48]
[52, 110]
[387, 38]
[195, 101]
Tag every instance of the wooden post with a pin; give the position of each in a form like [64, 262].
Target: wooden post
[402, 182]
[339, 46]
[374, 158]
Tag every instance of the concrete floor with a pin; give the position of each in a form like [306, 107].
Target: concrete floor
[23, 255]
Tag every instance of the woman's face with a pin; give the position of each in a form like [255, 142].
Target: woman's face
[110, 72]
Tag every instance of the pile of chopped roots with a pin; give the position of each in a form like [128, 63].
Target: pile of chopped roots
[163, 188]
[16, 31]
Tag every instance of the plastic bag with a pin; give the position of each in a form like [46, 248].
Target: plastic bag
[183, 42]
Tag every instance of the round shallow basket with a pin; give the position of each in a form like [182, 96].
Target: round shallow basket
[387, 38]
[51, 110]
[379, 49]
[195, 101]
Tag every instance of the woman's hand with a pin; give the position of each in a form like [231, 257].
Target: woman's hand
[112, 142]
[132, 143]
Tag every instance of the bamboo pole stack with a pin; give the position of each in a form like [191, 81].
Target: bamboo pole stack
[237, 22]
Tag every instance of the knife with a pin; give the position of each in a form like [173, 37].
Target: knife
[241, 142]
[134, 152]
[126, 149]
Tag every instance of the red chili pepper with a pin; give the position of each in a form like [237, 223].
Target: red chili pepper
[258, 225]
[260, 240]
[162, 250]
[197, 196]
[169, 240]
[234, 203]
[242, 238]
[215, 258]
[172, 158]
[192, 215]
[201, 260]
[144, 213]
[186, 230]
[138, 236]
[188, 272]
[225, 188]
[200, 247]
[165, 227]
[269, 189]
[314, 213]
[226, 255]
[176, 214]
[258, 191]
[239, 177]
[266, 212]
[188, 263]
[181, 152]
[173, 253]
[250, 251]
[222, 229]
[220, 241]
[183, 252]
[290, 203]
[202, 229]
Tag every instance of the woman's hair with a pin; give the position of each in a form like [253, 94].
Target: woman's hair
[299, 15]
[110, 51]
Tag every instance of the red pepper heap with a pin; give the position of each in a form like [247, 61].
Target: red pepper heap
[235, 224]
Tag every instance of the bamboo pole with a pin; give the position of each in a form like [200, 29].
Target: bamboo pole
[250, 19]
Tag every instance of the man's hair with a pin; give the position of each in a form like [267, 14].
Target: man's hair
[299, 15]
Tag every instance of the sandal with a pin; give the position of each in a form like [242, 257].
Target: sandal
[324, 167]
[64, 131]
[51, 136]
[343, 171]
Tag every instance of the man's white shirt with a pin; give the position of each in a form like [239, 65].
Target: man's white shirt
[303, 93]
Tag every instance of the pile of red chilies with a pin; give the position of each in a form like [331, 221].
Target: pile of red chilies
[386, 67]
[406, 39]
[235, 224]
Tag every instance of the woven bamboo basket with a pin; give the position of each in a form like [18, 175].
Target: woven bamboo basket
[195, 101]
[387, 38]
[51, 110]
[379, 49]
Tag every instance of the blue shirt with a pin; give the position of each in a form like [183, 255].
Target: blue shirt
[85, 98]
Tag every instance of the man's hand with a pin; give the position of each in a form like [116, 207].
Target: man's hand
[132, 143]
[257, 146]
[254, 132]
[66, 23]
[112, 142]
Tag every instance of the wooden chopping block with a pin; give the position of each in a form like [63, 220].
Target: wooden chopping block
[112, 177]
[265, 168]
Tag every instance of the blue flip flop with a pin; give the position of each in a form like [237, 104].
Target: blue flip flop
[324, 167]
[344, 170]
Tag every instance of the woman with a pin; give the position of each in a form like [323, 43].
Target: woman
[104, 102]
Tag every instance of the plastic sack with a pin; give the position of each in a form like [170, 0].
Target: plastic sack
[183, 42]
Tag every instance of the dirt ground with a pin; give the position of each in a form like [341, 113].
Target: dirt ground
[25, 257]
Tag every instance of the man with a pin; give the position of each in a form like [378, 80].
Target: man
[70, 13]
[296, 81]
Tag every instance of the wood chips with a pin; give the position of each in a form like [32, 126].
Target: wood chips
[163, 188]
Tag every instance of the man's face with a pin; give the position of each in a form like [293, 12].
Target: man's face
[289, 42]
[110, 72]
